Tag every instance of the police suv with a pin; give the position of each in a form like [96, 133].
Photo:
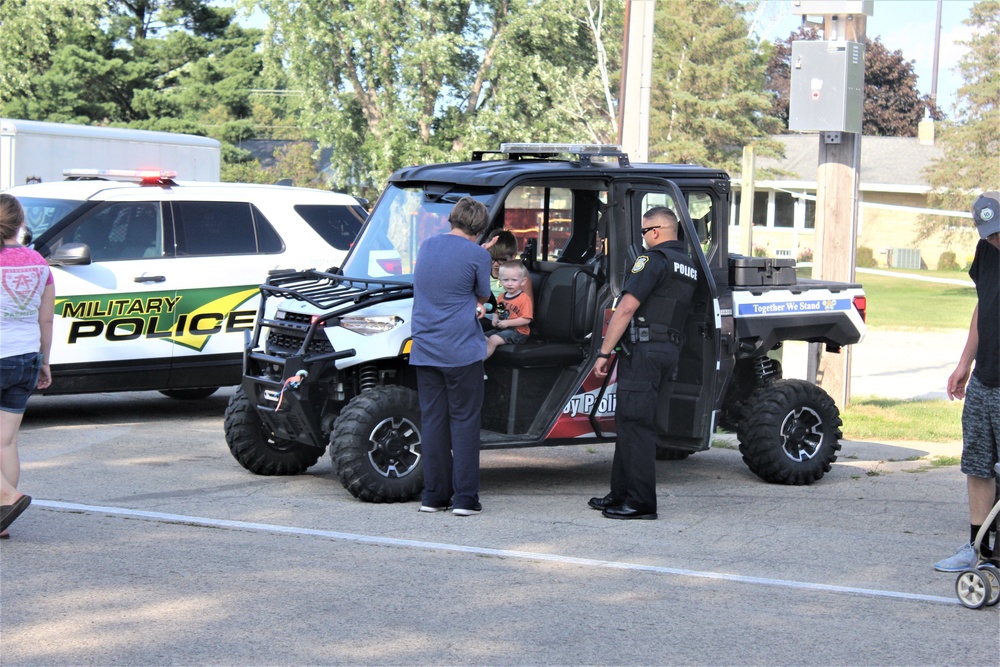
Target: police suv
[157, 280]
[327, 365]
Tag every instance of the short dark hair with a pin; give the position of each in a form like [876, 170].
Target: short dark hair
[668, 217]
[469, 216]
[505, 247]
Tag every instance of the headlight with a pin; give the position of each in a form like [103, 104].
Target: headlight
[369, 326]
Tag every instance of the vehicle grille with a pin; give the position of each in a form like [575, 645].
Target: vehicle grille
[285, 342]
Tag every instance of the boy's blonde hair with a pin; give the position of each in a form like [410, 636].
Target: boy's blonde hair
[515, 265]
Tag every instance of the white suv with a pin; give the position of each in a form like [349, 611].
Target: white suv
[156, 282]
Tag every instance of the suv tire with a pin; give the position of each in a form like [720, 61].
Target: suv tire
[791, 433]
[375, 445]
[257, 449]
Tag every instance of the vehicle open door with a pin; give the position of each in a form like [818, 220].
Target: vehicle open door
[686, 407]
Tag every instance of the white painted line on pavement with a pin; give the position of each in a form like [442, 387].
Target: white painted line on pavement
[481, 551]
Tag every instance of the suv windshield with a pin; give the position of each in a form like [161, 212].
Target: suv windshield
[40, 214]
[402, 221]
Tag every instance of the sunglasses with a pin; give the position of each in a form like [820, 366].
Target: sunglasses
[649, 229]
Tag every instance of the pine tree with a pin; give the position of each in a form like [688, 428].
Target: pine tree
[708, 97]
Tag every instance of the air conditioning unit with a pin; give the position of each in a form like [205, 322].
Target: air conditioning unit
[905, 258]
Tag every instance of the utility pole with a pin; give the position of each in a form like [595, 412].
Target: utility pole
[827, 94]
[637, 79]
[837, 192]
[937, 54]
[746, 199]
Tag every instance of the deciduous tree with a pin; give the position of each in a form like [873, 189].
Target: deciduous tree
[971, 143]
[388, 84]
[893, 106]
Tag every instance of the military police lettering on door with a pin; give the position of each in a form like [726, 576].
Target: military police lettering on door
[188, 318]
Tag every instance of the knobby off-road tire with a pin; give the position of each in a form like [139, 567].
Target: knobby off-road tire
[375, 445]
[256, 448]
[790, 433]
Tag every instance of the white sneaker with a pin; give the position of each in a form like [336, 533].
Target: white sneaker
[961, 561]
[468, 511]
[431, 508]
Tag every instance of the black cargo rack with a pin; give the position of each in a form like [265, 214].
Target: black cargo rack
[331, 291]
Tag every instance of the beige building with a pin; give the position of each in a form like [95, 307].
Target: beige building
[893, 196]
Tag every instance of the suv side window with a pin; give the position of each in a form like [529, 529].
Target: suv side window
[701, 208]
[338, 225]
[118, 231]
[222, 228]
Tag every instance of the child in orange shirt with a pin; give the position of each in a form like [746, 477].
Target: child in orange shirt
[514, 311]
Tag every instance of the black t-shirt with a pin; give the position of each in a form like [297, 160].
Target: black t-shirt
[985, 272]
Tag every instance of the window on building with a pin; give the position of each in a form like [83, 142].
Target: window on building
[810, 219]
[784, 210]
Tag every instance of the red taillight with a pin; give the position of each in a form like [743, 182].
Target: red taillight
[861, 303]
[391, 266]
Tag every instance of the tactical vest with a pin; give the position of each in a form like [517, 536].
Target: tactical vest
[663, 312]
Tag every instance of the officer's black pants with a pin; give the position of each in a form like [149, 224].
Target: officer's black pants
[640, 376]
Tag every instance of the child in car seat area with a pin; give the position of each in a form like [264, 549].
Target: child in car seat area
[503, 248]
[514, 310]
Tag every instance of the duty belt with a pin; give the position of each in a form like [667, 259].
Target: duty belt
[646, 334]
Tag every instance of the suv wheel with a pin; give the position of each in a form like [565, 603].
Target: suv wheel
[256, 448]
[375, 445]
[791, 432]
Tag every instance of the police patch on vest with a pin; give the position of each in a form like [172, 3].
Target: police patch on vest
[640, 263]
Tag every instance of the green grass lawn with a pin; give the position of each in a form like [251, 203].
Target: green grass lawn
[882, 419]
[902, 303]
[899, 303]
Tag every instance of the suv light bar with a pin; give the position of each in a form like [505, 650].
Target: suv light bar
[583, 152]
[142, 176]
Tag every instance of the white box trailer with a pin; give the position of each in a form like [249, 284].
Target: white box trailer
[34, 150]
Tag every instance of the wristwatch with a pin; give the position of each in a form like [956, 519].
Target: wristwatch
[604, 355]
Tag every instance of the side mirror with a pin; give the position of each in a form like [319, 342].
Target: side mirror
[70, 254]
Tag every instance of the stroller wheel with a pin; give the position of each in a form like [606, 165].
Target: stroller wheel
[992, 574]
[973, 588]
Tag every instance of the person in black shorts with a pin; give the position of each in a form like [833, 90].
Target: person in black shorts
[980, 387]
[650, 316]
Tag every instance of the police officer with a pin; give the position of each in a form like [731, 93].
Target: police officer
[648, 321]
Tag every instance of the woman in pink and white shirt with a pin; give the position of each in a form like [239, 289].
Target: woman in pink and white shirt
[27, 305]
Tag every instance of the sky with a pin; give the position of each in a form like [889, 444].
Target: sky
[905, 25]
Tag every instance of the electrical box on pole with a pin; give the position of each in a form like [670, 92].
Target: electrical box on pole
[827, 87]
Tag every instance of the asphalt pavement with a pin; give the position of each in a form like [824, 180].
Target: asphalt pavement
[147, 544]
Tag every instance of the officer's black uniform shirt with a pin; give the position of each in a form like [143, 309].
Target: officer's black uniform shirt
[985, 272]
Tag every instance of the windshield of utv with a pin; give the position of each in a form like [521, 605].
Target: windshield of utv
[403, 219]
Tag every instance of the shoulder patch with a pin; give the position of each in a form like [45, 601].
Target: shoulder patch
[640, 263]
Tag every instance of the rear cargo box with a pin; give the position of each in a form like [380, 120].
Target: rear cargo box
[757, 271]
